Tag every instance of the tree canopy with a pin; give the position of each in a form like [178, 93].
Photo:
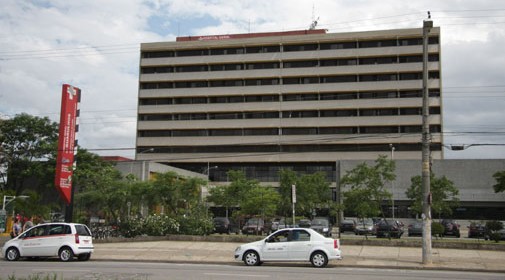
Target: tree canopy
[443, 192]
[368, 187]
[500, 181]
[27, 144]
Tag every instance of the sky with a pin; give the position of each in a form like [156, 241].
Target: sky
[95, 45]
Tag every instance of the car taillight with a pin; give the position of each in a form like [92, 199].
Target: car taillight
[336, 243]
[76, 238]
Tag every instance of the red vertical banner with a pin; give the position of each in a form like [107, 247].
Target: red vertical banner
[67, 144]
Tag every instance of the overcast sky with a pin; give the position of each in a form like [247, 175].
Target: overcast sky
[94, 45]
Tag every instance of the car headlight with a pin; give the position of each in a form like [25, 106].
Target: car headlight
[238, 249]
[325, 229]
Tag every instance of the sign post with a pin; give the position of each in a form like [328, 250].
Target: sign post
[67, 145]
[293, 198]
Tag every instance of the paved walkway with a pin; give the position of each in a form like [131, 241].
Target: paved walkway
[354, 255]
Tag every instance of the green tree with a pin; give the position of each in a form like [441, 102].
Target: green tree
[100, 189]
[261, 201]
[177, 193]
[443, 195]
[27, 146]
[368, 187]
[220, 197]
[312, 192]
[500, 181]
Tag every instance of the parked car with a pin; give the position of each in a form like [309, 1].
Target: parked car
[304, 223]
[365, 227]
[389, 228]
[63, 240]
[415, 229]
[254, 226]
[224, 225]
[451, 227]
[477, 230]
[321, 225]
[348, 225]
[291, 244]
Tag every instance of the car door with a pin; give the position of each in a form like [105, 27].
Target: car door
[300, 245]
[276, 246]
[32, 242]
[56, 237]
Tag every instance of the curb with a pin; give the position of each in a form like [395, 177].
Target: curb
[444, 243]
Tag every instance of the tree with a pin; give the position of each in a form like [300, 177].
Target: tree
[261, 201]
[99, 187]
[312, 192]
[443, 195]
[500, 182]
[176, 193]
[368, 187]
[28, 148]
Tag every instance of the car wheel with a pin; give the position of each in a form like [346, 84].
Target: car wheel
[84, 257]
[12, 254]
[65, 254]
[319, 259]
[251, 258]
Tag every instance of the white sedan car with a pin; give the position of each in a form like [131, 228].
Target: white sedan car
[291, 244]
[63, 240]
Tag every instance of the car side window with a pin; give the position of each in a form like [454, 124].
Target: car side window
[59, 229]
[281, 236]
[35, 232]
[300, 235]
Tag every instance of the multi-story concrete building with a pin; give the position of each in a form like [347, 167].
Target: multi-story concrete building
[299, 99]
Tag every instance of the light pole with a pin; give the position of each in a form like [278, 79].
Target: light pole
[206, 171]
[3, 214]
[9, 198]
[392, 182]
[426, 202]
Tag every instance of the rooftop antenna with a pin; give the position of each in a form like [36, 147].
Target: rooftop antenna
[314, 20]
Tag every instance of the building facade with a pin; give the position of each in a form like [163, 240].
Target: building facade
[472, 177]
[299, 99]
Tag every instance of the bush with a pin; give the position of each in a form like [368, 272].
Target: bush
[437, 229]
[153, 225]
[493, 227]
[198, 223]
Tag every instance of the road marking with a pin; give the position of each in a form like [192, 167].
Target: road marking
[59, 270]
[237, 275]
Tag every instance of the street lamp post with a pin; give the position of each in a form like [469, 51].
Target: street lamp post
[3, 214]
[427, 254]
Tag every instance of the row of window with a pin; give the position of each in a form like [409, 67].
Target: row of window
[285, 131]
[288, 97]
[286, 148]
[288, 64]
[291, 47]
[287, 114]
[291, 80]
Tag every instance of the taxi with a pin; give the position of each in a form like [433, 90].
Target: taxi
[291, 244]
[62, 240]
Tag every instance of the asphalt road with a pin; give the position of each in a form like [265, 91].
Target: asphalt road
[154, 271]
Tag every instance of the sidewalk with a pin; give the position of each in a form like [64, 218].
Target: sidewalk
[354, 255]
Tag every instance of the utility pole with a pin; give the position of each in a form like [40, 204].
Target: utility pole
[427, 254]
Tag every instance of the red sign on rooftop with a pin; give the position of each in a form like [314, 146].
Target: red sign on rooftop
[250, 35]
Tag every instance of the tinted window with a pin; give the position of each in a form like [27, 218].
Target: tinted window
[82, 230]
[59, 229]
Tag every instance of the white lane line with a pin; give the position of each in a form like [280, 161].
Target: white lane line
[237, 275]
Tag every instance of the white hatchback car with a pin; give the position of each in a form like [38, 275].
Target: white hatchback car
[291, 244]
[63, 240]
